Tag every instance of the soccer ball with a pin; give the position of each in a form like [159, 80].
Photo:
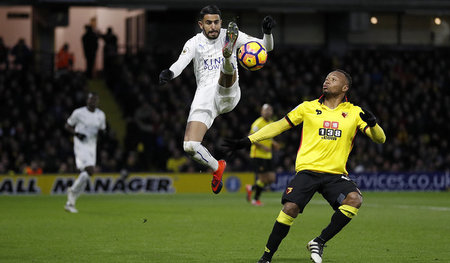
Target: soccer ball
[252, 56]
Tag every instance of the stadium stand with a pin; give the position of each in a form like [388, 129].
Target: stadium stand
[407, 89]
[33, 110]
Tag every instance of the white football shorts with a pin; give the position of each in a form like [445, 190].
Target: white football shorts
[225, 100]
[85, 156]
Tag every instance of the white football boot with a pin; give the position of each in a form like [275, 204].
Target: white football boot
[70, 205]
[316, 250]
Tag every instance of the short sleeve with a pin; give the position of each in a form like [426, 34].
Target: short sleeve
[73, 119]
[295, 116]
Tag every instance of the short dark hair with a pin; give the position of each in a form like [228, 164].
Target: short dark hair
[208, 10]
[92, 93]
[347, 76]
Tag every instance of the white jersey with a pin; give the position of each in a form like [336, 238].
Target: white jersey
[87, 123]
[207, 59]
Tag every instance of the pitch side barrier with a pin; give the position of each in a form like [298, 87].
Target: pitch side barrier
[437, 181]
[135, 183]
[168, 183]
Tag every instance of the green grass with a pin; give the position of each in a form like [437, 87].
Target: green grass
[390, 227]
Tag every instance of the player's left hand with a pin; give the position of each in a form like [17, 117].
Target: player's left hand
[267, 24]
[368, 117]
[232, 145]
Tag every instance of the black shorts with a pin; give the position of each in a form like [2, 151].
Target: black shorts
[262, 165]
[333, 187]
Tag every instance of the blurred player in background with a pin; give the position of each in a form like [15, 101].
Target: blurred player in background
[261, 154]
[330, 124]
[84, 123]
[213, 52]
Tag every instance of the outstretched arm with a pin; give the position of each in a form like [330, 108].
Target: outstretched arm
[268, 24]
[183, 60]
[267, 132]
[270, 130]
[267, 41]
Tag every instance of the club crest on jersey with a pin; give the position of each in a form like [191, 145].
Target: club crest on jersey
[344, 114]
[289, 190]
[185, 50]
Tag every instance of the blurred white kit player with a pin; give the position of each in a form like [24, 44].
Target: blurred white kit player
[213, 52]
[84, 123]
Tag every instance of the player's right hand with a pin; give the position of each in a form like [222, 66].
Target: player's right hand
[165, 76]
[80, 136]
[232, 145]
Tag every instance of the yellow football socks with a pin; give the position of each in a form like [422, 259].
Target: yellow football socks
[285, 219]
[348, 211]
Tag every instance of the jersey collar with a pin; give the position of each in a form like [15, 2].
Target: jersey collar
[322, 98]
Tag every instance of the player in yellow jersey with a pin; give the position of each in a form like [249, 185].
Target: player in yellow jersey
[330, 124]
[261, 155]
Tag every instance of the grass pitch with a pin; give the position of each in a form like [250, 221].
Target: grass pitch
[390, 227]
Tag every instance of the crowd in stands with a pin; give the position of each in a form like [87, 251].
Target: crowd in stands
[33, 111]
[406, 89]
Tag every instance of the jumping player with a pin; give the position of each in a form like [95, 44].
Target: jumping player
[213, 52]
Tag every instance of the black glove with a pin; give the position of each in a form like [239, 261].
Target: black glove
[368, 117]
[232, 145]
[267, 24]
[80, 136]
[165, 76]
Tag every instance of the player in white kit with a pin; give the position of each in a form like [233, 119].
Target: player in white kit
[84, 124]
[213, 52]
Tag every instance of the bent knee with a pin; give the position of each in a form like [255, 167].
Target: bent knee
[190, 147]
[291, 209]
[353, 199]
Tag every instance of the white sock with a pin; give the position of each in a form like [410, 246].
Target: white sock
[227, 67]
[80, 184]
[200, 154]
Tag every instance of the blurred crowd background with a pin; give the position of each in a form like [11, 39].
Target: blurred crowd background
[407, 89]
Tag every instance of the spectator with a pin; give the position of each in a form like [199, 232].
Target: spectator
[4, 63]
[64, 58]
[33, 169]
[109, 50]
[176, 162]
[22, 55]
[90, 46]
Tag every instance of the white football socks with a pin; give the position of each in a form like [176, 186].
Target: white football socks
[78, 187]
[200, 154]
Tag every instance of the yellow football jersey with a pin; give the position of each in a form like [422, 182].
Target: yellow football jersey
[256, 152]
[327, 135]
